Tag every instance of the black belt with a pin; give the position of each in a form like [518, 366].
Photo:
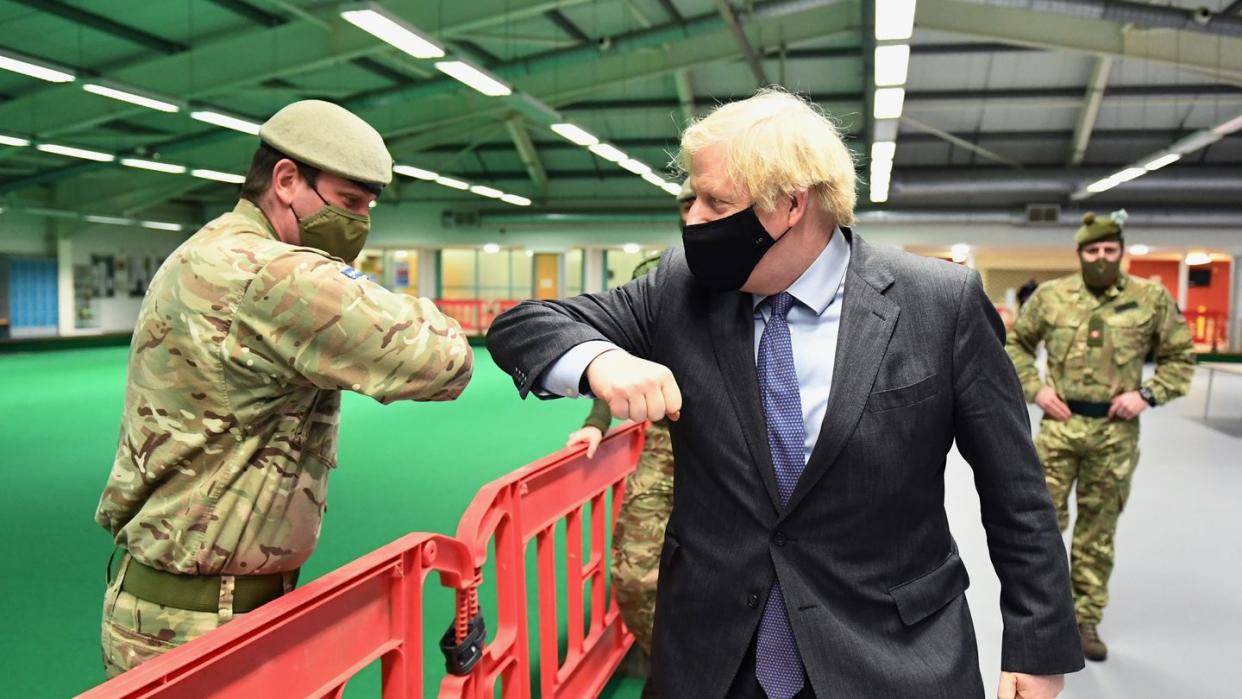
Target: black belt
[1085, 409]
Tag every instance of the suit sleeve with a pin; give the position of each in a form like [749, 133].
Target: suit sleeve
[994, 435]
[528, 339]
[1024, 338]
[319, 323]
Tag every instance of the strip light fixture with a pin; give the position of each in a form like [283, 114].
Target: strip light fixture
[131, 97]
[383, 25]
[34, 69]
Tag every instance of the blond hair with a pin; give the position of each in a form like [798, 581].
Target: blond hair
[777, 143]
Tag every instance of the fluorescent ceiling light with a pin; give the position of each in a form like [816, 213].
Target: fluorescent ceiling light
[574, 135]
[1139, 249]
[894, 20]
[170, 168]
[1162, 161]
[1195, 259]
[380, 24]
[1128, 174]
[1229, 126]
[110, 220]
[630, 248]
[416, 172]
[672, 188]
[880, 180]
[161, 226]
[516, 201]
[218, 176]
[608, 152]
[372, 204]
[635, 166]
[1102, 185]
[226, 121]
[24, 66]
[879, 195]
[653, 179]
[450, 182]
[131, 97]
[487, 191]
[889, 102]
[891, 65]
[491, 248]
[475, 78]
[530, 253]
[883, 150]
[76, 152]
[881, 167]
[960, 252]
[13, 141]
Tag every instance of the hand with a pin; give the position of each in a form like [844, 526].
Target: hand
[635, 389]
[1127, 406]
[1016, 685]
[1052, 405]
[590, 436]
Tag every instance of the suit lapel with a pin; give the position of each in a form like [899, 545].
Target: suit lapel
[733, 330]
[867, 322]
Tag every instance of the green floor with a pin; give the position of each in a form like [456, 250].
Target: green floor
[404, 467]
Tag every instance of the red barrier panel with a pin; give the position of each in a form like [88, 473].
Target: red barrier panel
[310, 642]
[474, 315]
[1209, 327]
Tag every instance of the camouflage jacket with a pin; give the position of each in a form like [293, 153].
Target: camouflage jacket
[1096, 346]
[229, 430]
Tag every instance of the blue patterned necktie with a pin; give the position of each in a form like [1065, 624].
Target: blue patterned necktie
[778, 666]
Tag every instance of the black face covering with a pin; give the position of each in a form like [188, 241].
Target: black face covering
[723, 253]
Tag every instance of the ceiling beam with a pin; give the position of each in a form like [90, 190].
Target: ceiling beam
[256, 15]
[566, 25]
[105, 25]
[961, 142]
[685, 96]
[1090, 109]
[735, 27]
[526, 150]
[1218, 57]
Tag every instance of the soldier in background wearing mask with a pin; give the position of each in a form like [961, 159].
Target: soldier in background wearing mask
[247, 336]
[1097, 326]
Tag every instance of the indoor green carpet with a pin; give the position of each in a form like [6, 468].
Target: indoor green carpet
[403, 467]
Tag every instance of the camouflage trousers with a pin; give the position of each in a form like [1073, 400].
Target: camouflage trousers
[135, 631]
[639, 534]
[1096, 458]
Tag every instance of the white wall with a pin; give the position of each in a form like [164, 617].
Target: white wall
[120, 312]
[25, 235]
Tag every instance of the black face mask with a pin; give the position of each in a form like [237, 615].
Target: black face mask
[723, 253]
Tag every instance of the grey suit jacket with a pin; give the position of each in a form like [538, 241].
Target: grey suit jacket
[871, 576]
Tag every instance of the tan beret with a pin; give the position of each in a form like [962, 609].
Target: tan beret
[330, 138]
[1095, 229]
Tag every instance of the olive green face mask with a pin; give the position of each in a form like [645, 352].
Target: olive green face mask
[1101, 273]
[334, 230]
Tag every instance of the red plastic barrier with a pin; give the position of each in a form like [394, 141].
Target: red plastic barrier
[1208, 327]
[310, 642]
[474, 315]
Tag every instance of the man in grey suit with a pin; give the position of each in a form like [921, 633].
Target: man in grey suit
[815, 385]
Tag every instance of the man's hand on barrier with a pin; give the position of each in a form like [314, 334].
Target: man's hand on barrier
[1052, 405]
[635, 389]
[590, 436]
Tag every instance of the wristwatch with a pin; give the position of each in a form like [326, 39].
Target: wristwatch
[1148, 396]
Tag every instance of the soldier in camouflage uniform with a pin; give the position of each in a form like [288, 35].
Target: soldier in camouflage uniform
[247, 336]
[1097, 327]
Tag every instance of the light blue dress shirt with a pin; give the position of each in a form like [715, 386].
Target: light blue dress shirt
[814, 325]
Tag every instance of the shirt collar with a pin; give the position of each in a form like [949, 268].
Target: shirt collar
[254, 214]
[818, 285]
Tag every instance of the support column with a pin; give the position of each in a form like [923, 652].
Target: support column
[66, 321]
[429, 272]
[1183, 283]
[1235, 297]
[594, 278]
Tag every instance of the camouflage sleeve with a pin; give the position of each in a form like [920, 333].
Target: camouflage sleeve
[335, 329]
[1175, 352]
[1023, 338]
[600, 416]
